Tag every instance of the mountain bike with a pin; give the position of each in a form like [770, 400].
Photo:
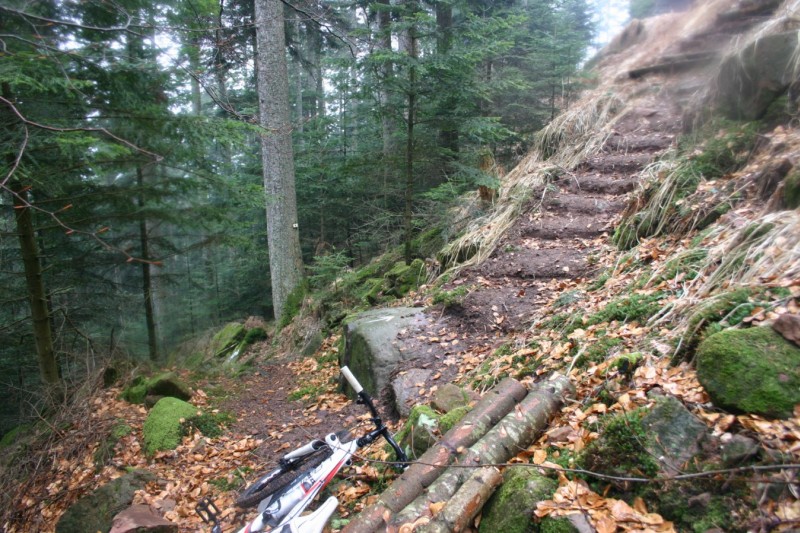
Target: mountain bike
[284, 493]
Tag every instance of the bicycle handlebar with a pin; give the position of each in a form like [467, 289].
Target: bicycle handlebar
[352, 380]
[380, 429]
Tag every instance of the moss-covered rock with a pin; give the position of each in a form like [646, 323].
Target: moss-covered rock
[753, 370]
[402, 278]
[162, 429]
[510, 509]
[622, 449]
[164, 384]
[227, 339]
[420, 432]
[96, 511]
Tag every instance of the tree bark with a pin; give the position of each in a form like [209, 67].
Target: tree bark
[285, 260]
[408, 195]
[492, 407]
[147, 280]
[37, 296]
[467, 502]
[515, 432]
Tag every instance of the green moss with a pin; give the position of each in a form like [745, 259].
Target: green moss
[449, 420]
[209, 424]
[626, 363]
[510, 508]
[372, 290]
[791, 190]
[162, 430]
[302, 392]
[703, 504]
[402, 278]
[227, 339]
[556, 525]
[598, 351]
[136, 391]
[621, 449]
[294, 302]
[416, 435]
[451, 298]
[428, 243]
[255, 335]
[754, 371]
[712, 313]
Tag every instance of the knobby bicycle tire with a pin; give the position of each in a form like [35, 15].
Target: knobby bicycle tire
[259, 490]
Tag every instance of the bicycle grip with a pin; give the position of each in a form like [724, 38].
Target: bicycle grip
[352, 380]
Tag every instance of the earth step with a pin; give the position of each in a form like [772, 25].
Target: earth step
[651, 142]
[618, 163]
[596, 183]
[580, 226]
[581, 203]
[548, 263]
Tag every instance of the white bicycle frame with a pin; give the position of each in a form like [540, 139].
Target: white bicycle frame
[281, 509]
[284, 512]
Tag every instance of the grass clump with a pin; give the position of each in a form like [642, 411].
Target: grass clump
[635, 307]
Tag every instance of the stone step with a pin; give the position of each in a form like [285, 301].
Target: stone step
[630, 163]
[583, 203]
[544, 263]
[597, 183]
[649, 142]
[579, 226]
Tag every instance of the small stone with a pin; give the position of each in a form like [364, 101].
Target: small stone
[449, 397]
[141, 519]
[788, 326]
[738, 450]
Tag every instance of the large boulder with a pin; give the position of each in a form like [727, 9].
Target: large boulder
[510, 509]
[228, 339]
[751, 370]
[370, 349]
[750, 81]
[96, 511]
[163, 428]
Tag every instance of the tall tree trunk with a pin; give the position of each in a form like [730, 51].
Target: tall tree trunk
[385, 72]
[147, 283]
[448, 130]
[285, 259]
[411, 50]
[40, 313]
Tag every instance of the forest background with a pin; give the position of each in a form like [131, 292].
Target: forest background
[131, 183]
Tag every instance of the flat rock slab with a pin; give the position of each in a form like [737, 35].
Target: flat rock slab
[371, 348]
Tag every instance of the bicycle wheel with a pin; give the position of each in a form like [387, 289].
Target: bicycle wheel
[279, 478]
